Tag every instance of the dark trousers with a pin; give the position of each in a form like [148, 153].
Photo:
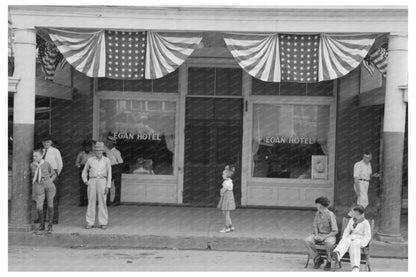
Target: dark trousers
[83, 189]
[116, 177]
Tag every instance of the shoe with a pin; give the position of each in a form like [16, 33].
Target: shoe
[225, 230]
[55, 221]
[49, 229]
[318, 261]
[88, 226]
[355, 269]
[335, 257]
[232, 229]
[104, 227]
[327, 266]
[41, 227]
[115, 204]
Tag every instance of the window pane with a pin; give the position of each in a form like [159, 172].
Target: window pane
[138, 85]
[145, 133]
[325, 88]
[201, 81]
[110, 84]
[292, 89]
[290, 141]
[228, 108]
[168, 83]
[228, 81]
[264, 88]
[199, 108]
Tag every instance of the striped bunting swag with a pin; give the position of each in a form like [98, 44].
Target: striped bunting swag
[124, 54]
[167, 51]
[85, 51]
[339, 54]
[378, 58]
[256, 54]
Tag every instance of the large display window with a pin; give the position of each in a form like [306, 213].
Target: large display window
[290, 141]
[145, 133]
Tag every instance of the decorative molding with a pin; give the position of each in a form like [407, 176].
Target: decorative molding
[13, 82]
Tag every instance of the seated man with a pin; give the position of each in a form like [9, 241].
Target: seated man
[324, 231]
[357, 234]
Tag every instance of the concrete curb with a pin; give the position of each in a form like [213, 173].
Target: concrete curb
[272, 245]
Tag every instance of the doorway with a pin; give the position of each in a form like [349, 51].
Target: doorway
[213, 139]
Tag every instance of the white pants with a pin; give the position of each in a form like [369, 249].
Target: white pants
[362, 195]
[353, 247]
[96, 189]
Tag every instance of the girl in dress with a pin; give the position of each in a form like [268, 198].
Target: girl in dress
[227, 202]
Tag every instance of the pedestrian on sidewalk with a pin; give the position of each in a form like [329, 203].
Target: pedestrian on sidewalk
[80, 162]
[98, 169]
[43, 186]
[357, 234]
[52, 155]
[116, 162]
[227, 202]
[325, 229]
[362, 175]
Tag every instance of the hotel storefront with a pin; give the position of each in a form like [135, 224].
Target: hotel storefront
[210, 113]
[290, 141]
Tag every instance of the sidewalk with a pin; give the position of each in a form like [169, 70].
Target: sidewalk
[175, 227]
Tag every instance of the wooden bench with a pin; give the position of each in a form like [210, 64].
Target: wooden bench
[365, 251]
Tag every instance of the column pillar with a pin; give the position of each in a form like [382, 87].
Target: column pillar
[23, 128]
[393, 140]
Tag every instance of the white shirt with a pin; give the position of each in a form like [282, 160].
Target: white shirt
[362, 170]
[114, 155]
[53, 157]
[98, 168]
[227, 184]
[362, 231]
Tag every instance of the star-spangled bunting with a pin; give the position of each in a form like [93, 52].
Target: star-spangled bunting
[299, 58]
[124, 54]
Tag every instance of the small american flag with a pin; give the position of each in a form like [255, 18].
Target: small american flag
[125, 55]
[299, 58]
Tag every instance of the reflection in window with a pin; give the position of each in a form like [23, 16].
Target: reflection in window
[290, 141]
[145, 133]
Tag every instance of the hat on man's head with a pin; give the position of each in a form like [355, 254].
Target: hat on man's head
[46, 138]
[99, 146]
[111, 139]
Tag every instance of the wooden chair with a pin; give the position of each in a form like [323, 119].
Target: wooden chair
[365, 251]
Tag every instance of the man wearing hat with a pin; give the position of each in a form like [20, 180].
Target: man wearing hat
[53, 157]
[116, 161]
[98, 169]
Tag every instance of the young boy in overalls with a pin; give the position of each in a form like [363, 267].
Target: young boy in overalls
[43, 186]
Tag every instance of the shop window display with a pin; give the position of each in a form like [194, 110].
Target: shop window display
[145, 133]
[290, 141]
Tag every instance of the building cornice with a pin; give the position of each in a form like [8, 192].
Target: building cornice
[217, 18]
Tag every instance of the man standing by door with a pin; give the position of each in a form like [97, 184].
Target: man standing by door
[116, 162]
[362, 174]
[53, 157]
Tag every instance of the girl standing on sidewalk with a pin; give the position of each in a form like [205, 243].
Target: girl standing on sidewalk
[227, 202]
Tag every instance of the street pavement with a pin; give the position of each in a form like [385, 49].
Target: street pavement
[24, 258]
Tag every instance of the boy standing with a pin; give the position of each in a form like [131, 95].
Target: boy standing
[98, 168]
[53, 157]
[43, 177]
